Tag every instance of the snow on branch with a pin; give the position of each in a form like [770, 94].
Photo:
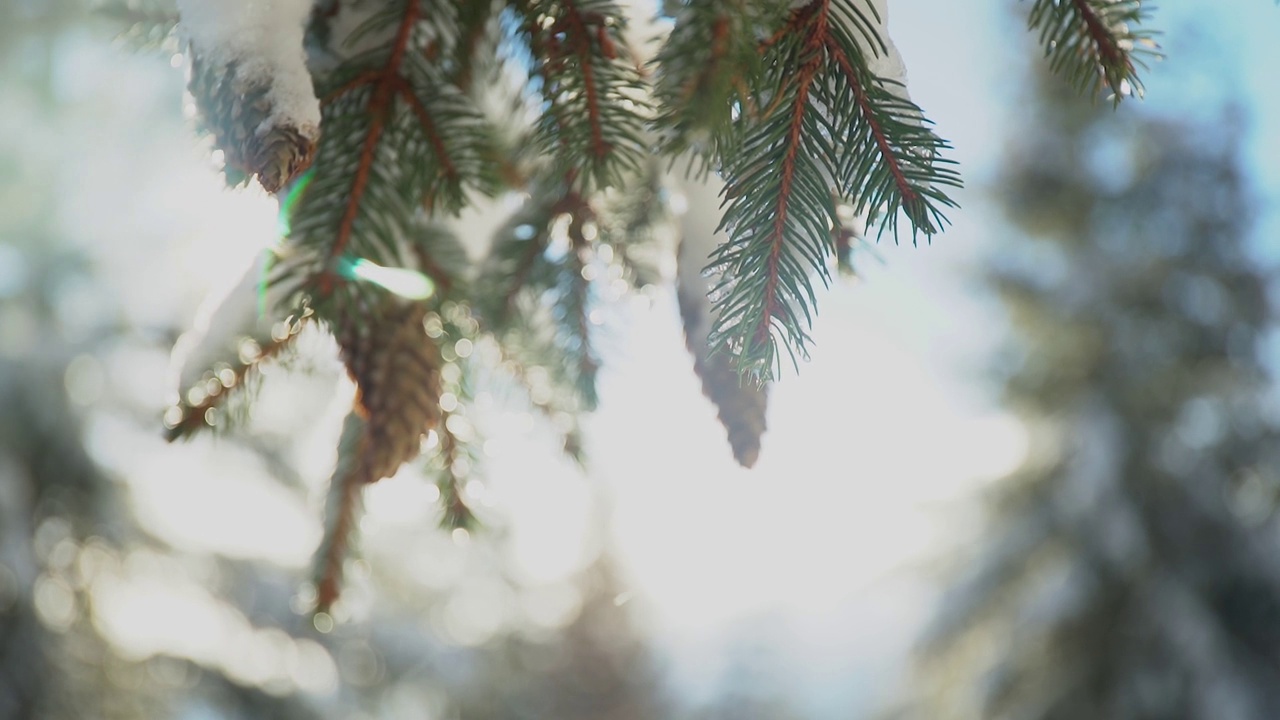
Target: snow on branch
[250, 80]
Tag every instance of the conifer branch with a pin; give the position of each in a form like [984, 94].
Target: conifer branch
[342, 507]
[1095, 43]
[593, 93]
[185, 418]
[455, 456]
[547, 404]
[536, 294]
[333, 555]
[457, 514]
[895, 164]
[524, 267]
[368, 77]
[429, 129]
[706, 67]
[578, 302]
[632, 227]
[473, 21]
[385, 84]
[398, 136]
[578, 34]
[868, 113]
[828, 125]
[443, 278]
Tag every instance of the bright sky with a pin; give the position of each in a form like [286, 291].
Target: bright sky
[871, 449]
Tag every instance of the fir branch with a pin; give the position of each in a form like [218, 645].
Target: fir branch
[893, 158]
[572, 286]
[763, 280]
[516, 262]
[591, 122]
[455, 456]
[576, 305]
[705, 69]
[541, 261]
[397, 136]
[342, 507]
[442, 258]
[828, 122]
[195, 408]
[632, 227]
[433, 135]
[562, 416]
[1095, 43]
[455, 131]
[473, 19]
[451, 477]
[385, 84]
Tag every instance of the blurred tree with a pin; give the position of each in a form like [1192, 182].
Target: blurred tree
[596, 668]
[52, 495]
[753, 684]
[1129, 569]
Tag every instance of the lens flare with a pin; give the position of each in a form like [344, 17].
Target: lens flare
[284, 221]
[405, 283]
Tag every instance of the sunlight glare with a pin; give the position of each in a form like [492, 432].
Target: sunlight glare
[406, 283]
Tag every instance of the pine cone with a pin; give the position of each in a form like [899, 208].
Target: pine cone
[240, 114]
[741, 407]
[396, 367]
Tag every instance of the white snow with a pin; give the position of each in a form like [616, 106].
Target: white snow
[264, 38]
[885, 65]
[224, 321]
[350, 36]
[888, 66]
[698, 239]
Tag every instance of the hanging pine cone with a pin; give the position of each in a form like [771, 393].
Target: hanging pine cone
[396, 367]
[741, 406]
[241, 111]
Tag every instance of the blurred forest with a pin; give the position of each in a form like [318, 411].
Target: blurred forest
[1127, 570]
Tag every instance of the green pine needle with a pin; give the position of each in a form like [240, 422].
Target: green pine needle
[1095, 43]
[828, 127]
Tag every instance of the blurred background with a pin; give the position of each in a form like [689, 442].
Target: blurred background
[1030, 471]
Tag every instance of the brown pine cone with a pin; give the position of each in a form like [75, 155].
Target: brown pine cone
[741, 406]
[238, 112]
[396, 367]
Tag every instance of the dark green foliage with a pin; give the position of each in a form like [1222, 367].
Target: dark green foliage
[831, 130]
[427, 105]
[591, 92]
[396, 137]
[707, 71]
[539, 296]
[740, 87]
